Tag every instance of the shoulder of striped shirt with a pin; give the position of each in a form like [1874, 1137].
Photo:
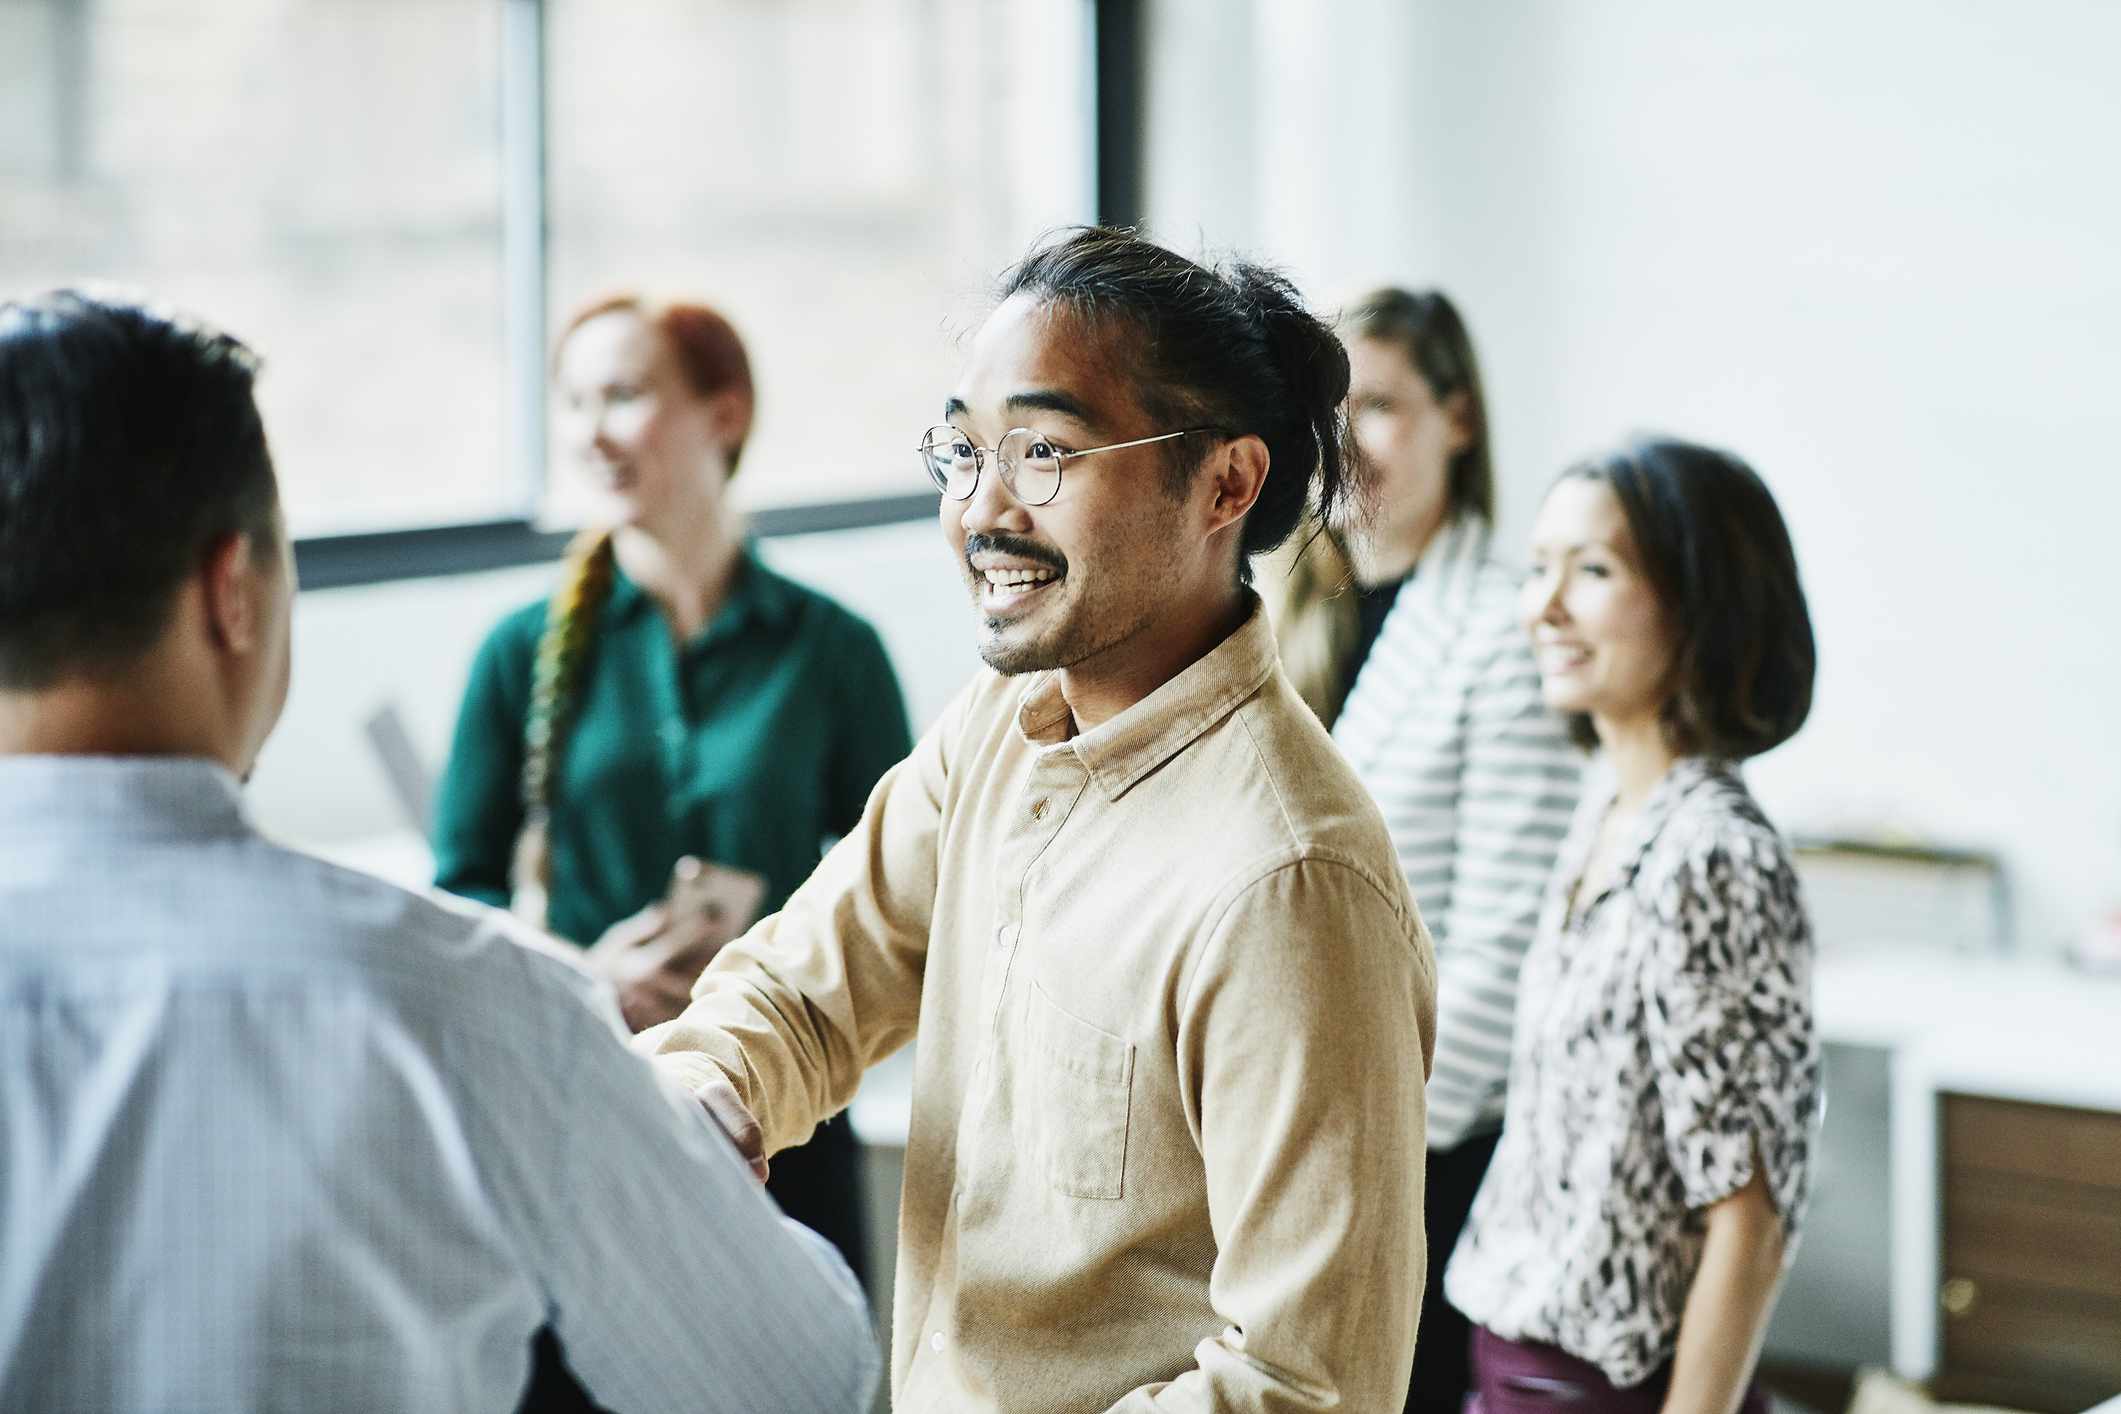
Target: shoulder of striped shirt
[1492, 620]
[1485, 631]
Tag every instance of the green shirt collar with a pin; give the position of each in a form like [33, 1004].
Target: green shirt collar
[756, 596]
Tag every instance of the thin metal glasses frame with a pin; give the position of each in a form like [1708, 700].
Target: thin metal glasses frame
[1008, 468]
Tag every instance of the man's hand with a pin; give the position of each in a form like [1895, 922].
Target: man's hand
[719, 1098]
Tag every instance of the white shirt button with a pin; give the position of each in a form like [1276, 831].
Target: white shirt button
[935, 1342]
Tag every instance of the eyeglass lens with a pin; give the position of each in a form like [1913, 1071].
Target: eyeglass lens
[1029, 465]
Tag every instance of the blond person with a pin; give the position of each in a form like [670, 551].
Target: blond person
[1402, 632]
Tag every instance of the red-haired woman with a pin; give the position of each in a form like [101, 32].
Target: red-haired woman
[675, 710]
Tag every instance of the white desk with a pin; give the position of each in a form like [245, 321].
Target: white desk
[2007, 1028]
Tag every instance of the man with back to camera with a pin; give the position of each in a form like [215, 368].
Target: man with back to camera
[1174, 1003]
[279, 1135]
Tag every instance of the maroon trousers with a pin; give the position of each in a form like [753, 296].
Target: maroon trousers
[1518, 1377]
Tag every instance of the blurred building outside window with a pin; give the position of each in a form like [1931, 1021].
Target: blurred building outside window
[394, 201]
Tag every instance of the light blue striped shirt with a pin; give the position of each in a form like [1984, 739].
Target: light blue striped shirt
[276, 1135]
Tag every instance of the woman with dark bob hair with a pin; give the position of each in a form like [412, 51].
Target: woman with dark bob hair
[1625, 1249]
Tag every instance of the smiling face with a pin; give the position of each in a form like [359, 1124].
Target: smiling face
[1063, 584]
[651, 447]
[1601, 636]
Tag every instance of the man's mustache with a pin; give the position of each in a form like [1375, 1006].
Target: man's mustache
[1016, 548]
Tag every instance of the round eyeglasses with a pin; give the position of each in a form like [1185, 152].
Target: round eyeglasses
[1029, 463]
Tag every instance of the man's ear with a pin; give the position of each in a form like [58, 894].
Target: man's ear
[230, 577]
[1238, 474]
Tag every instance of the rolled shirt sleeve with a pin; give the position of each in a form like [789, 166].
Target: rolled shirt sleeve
[1728, 1022]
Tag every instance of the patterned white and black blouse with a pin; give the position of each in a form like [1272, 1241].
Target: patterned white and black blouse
[1664, 1030]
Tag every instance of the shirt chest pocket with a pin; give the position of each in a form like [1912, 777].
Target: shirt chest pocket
[1079, 1082]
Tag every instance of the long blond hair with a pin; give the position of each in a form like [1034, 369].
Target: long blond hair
[1309, 585]
[1309, 589]
[586, 577]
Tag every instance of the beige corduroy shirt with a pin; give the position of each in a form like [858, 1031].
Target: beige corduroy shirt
[1175, 1009]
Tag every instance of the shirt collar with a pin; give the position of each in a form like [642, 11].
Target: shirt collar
[156, 796]
[1120, 752]
[756, 595]
[1687, 774]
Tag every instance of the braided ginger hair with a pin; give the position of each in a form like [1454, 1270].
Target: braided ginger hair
[586, 577]
[709, 358]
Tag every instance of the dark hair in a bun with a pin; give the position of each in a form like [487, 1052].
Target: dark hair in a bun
[1230, 347]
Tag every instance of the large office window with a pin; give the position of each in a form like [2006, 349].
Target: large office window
[396, 200]
[841, 177]
[321, 178]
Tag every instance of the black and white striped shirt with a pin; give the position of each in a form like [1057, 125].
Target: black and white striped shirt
[1477, 780]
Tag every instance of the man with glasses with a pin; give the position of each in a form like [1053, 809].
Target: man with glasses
[1173, 1002]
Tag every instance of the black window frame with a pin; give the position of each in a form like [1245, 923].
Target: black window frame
[348, 560]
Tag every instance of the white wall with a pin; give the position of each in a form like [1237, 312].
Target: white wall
[318, 782]
[1870, 247]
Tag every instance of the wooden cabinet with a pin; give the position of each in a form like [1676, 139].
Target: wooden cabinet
[2031, 1255]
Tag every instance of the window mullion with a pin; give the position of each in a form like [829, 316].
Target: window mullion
[523, 232]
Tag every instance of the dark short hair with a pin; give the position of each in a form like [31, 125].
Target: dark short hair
[1716, 551]
[1426, 327]
[129, 444]
[1231, 348]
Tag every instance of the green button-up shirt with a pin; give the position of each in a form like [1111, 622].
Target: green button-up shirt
[752, 745]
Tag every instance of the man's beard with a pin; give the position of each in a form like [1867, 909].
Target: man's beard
[1069, 643]
[1038, 655]
[1035, 655]
[1014, 660]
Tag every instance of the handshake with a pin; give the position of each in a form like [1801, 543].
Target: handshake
[653, 958]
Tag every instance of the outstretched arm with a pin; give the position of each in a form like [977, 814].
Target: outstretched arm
[793, 1012]
[671, 1280]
